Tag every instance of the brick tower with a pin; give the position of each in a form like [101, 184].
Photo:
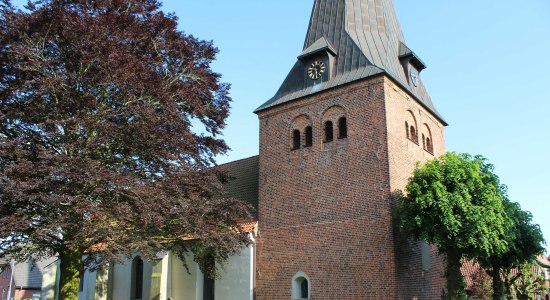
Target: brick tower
[343, 132]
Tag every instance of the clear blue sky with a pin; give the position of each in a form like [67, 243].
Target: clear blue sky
[488, 75]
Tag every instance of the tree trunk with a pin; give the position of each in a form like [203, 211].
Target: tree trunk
[498, 285]
[455, 282]
[70, 268]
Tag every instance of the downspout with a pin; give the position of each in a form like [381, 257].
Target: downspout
[12, 266]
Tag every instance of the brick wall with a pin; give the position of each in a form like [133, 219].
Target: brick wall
[325, 210]
[415, 280]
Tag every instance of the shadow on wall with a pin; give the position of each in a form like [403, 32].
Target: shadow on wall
[419, 270]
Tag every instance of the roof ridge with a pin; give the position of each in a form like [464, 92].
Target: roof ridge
[238, 160]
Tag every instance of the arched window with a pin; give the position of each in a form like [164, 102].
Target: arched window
[411, 128]
[209, 287]
[414, 135]
[137, 278]
[342, 128]
[424, 142]
[429, 146]
[309, 136]
[427, 139]
[209, 284]
[328, 131]
[296, 139]
[304, 287]
[301, 287]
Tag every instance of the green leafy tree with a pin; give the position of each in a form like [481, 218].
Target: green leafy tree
[524, 282]
[454, 203]
[525, 241]
[97, 148]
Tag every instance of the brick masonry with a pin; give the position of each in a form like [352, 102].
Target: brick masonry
[403, 154]
[326, 210]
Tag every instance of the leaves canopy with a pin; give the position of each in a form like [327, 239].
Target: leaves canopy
[526, 282]
[524, 239]
[455, 203]
[98, 105]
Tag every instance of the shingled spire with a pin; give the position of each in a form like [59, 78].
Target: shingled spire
[357, 39]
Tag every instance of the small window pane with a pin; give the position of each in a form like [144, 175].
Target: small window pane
[296, 139]
[424, 142]
[305, 289]
[138, 278]
[328, 131]
[309, 136]
[342, 128]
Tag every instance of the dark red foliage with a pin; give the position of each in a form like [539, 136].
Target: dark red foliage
[98, 101]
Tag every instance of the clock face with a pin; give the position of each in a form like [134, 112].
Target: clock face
[414, 76]
[316, 70]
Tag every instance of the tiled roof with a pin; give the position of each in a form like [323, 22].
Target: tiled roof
[367, 38]
[249, 226]
[543, 261]
[243, 179]
[469, 269]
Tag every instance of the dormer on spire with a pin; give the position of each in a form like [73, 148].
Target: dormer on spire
[320, 46]
[319, 59]
[412, 65]
[406, 54]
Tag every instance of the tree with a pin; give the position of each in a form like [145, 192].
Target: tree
[523, 282]
[481, 288]
[524, 239]
[454, 203]
[99, 101]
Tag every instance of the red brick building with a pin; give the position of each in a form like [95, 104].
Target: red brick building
[345, 131]
[6, 279]
[22, 280]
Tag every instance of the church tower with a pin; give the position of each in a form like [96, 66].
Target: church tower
[343, 132]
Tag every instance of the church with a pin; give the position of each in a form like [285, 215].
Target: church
[342, 134]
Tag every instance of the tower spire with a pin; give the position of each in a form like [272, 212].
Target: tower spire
[360, 38]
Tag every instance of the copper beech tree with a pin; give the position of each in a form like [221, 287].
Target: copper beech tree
[97, 145]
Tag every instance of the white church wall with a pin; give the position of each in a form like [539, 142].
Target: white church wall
[183, 284]
[122, 280]
[237, 277]
[102, 284]
[88, 287]
[200, 283]
[50, 278]
[236, 282]
[163, 280]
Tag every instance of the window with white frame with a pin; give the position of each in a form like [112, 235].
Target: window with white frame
[301, 286]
